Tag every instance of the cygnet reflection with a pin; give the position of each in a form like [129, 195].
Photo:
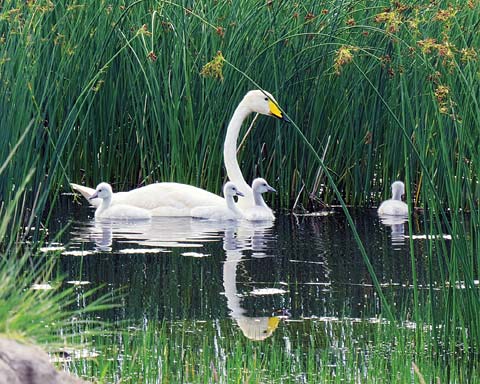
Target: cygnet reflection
[397, 225]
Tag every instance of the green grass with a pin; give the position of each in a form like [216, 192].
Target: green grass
[378, 91]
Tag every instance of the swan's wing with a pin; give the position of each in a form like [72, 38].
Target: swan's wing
[168, 199]
[213, 213]
[162, 199]
[86, 192]
[122, 211]
[258, 213]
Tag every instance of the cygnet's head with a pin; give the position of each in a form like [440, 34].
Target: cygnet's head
[264, 103]
[398, 190]
[229, 189]
[260, 185]
[103, 191]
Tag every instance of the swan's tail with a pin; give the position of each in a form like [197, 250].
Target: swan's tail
[86, 192]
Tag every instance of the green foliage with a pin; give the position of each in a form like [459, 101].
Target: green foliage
[380, 92]
[117, 93]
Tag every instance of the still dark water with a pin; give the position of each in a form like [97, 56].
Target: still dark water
[299, 267]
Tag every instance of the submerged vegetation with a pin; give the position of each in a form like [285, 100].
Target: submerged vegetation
[385, 90]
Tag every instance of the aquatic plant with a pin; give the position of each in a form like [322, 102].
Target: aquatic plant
[378, 92]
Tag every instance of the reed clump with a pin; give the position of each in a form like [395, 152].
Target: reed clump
[382, 92]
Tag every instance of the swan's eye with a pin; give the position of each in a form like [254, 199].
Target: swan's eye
[266, 98]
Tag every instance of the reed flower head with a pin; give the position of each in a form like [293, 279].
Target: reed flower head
[445, 14]
[343, 56]
[441, 93]
[392, 20]
[143, 30]
[427, 45]
[214, 68]
[468, 54]
[444, 100]
[309, 16]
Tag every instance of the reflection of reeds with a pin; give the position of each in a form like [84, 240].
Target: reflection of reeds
[323, 350]
[115, 93]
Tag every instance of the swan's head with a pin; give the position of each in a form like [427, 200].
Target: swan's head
[264, 103]
[261, 186]
[103, 191]
[229, 189]
[398, 190]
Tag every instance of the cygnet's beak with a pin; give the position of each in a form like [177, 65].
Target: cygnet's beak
[271, 189]
[94, 196]
[240, 193]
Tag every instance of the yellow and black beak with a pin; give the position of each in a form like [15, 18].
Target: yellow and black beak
[275, 111]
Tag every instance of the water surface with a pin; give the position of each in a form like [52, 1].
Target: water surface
[299, 267]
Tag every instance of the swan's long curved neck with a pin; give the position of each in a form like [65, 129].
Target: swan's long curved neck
[230, 283]
[230, 154]
[397, 194]
[258, 199]
[232, 206]
[105, 204]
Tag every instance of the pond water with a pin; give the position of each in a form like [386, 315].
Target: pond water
[296, 292]
[299, 267]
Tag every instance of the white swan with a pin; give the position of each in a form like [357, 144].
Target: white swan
[119, 211]
[395, 206]
[228, 211]
[260, 211]
[174, 199]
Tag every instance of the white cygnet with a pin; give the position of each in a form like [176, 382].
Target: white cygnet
[107, 210]
[395, 206]
[260, 211]
[228, 212]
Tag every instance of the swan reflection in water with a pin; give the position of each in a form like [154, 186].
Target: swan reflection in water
[160, 234]
[252, 237]
[397, 225]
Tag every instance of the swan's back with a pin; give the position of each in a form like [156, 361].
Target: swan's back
[393, 208]
[258, 213]
[169, 199]
[161, 199]
[123, 212]
[214, 213]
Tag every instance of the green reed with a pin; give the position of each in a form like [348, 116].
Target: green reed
[381, 91]
[124, 84]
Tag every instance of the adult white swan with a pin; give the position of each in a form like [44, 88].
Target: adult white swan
[260, 211]
[174, 199]
[229, 210]
[394, 206]
[118, 211]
